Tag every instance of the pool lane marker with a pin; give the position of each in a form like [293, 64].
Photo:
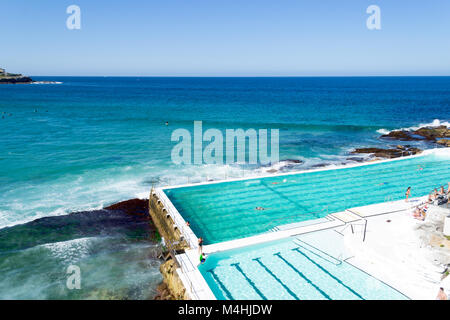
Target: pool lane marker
[252, 284]
[276, 278]
[323, 293]
[327, 272]
[221, 285]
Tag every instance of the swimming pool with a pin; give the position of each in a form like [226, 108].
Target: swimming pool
[289, 269]
[225, 211]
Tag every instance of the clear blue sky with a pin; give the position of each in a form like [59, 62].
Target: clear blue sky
[226, 37]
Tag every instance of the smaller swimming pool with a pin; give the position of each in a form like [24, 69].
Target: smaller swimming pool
[289, 269]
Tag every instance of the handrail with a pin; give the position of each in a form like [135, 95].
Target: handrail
[353, 223]
[184, 268]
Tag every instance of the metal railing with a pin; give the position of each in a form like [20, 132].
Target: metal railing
[353, 223]
[185, 268]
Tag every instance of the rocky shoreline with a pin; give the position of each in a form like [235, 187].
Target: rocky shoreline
[16, 80]
[434, 135]
[439, 135]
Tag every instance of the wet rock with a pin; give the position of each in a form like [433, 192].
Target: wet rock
[137, 207]
[444, 142]
[293, 161]
[320, 165]
[356, 159]
[432, 133]
[388, 153]
[401, 136]
[15, 79]
[424, 133]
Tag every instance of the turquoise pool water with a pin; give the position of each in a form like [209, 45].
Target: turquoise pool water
[289, 269]
[226, 211]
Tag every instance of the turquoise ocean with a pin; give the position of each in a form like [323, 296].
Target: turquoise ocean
[88, 142]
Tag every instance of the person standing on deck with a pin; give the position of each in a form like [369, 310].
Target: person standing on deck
[408, 193]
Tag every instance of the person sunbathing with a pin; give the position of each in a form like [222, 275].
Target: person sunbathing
[419, 214]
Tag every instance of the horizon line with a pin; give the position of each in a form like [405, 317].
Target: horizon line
[240, 76]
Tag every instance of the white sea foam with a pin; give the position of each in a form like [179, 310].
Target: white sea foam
[383, 131]
[70, 251]
[434, 123]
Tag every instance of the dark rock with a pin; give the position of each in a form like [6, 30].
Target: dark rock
[138, 207]
[425, 133]
[293, 161]
[444, 142]
[400, 135]
[320, 165]
[356, 159]
[388, 153]
[431, 133]
[14, 80]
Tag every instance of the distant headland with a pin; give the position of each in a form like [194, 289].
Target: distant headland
[6, 77]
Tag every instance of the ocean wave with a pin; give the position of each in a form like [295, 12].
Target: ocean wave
[46, 82]
[70, 251]
[434, 123]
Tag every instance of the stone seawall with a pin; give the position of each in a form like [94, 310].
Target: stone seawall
[172, 286]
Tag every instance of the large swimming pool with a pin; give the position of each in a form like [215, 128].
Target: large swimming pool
[225, 211]
[289, 269]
